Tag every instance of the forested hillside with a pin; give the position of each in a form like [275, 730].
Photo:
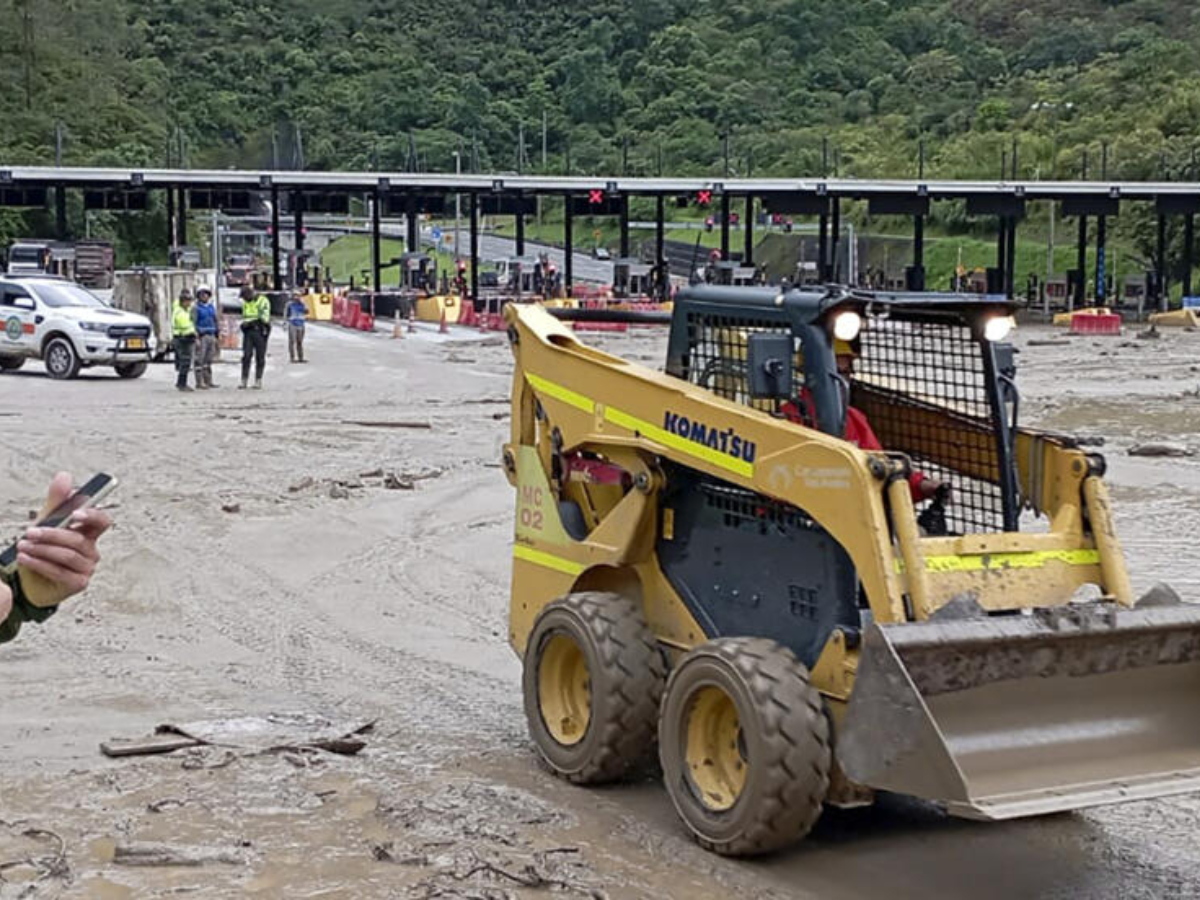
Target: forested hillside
[621, 83]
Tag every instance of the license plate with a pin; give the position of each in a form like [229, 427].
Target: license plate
[135, 344]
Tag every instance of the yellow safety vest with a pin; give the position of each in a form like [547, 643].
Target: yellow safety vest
[181, 322]
[257, 310]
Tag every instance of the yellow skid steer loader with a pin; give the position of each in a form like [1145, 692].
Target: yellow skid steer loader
[703, 562]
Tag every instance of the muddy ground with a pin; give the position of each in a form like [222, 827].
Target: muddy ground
[333, 590]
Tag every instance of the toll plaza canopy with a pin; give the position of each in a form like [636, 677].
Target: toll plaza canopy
[409, 194]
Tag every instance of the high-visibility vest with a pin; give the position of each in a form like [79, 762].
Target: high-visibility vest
[181, 322]
[257, 310]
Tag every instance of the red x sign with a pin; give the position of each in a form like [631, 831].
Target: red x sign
[595, 196]
[703, 198]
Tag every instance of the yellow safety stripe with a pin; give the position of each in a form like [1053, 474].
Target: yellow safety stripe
[682, 444]
[547, 560]
[558, 392]
[1030, 559]
[653, 432]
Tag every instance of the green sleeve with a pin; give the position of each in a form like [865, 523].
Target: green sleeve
[22, 610]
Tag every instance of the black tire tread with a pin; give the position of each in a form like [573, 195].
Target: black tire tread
[796, 739]
[632, 675]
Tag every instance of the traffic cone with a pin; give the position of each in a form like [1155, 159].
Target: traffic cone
[412, 322]
[442, 329]
[397, 331]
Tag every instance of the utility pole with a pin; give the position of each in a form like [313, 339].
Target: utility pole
[457, 203]
[58, 144]
[520, 148]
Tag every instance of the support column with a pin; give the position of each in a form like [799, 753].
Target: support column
[1101, 261]
[181, 237]
[1160, 264]
[624, 251]
[724, 227]
[376, 249]
[60, 212]
[823, 247]
[1010, 263]
[1189, 243]
[1081, 265]
[917, 282]
[1002, 251]
[475, 250]
[568, 245]
[660, 234]
[170, 217]
[276, 275]
[520, 220]
[835, 226]
[748, 227]
[411, 235]
[297, 236]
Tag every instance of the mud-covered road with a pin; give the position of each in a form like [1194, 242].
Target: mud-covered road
[330, 588]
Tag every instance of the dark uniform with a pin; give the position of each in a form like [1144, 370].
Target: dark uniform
[22, 610]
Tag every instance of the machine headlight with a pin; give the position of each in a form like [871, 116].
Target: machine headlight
[997, 328]
[847, 325]
[93, 326]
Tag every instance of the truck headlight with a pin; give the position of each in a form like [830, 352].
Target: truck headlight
[93, 326]
[847, 325]
[997, 328]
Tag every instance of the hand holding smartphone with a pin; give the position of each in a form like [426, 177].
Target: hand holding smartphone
[56, 556]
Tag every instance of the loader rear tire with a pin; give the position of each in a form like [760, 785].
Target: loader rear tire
[592, 682]
[744, 745]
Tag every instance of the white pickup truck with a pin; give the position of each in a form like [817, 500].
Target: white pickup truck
[68, 328]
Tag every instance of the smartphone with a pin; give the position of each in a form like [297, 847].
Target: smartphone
[96, 489]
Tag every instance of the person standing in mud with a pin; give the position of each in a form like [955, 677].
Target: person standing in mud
[64, 558]
[296, 313]
[207, 328]
[256, 329]
[183, 333]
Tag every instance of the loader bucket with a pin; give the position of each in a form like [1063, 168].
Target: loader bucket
[1005, 716]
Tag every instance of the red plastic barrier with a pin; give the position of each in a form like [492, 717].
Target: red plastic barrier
[365, 322]
[601, 326]
[339, 309]
[492, 322]
[1098, 324]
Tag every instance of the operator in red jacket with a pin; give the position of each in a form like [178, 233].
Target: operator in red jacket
[858, 430]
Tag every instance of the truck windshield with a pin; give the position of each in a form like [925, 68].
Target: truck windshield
[67, 294]
[25, 255]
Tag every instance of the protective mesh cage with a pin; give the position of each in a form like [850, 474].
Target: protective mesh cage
[922, 384]
[716, 358]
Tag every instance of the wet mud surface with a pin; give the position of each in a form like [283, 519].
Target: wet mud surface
[363, 574]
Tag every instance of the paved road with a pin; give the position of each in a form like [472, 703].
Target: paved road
[585, 268]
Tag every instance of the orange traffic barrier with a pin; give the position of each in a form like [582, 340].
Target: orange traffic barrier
[1096, 324]
[442, 329]
[397, 331]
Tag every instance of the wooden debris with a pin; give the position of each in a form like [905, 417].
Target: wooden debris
[165, 743]
[368, 423]
[146, 853]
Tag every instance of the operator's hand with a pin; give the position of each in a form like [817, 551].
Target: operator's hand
[5, 602]
[931, 487]
[66, 556]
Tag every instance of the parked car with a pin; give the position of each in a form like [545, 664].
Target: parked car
[68, 328]
[601, 253]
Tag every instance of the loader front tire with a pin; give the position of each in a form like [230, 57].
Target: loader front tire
[744, 745]
[593, 678]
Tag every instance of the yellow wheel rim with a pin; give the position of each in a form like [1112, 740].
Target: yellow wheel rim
[564, 690]
[716, 758]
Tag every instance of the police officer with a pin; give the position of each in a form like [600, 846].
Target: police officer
[256, 328]
[63, 558]
[183, 331]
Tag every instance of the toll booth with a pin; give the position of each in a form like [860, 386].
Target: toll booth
[808, 274]
[632, 278]
[1058, 291]
[184, 257]
[418, 272]
[1137, 291]
[734, 274]
[519, 275]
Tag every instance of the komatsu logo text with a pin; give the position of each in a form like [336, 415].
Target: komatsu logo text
[725, 440]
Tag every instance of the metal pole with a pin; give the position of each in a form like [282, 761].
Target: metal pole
[277, 276]
[1101, 270]
[297, 232]
[1161, 263]
[216, 258]
[624, 222]
[1189, 241]
[918, 279]
[724, 226]
[170, 217]
[823, 246]
[748, 254]
[376, 249]
[411, 234]
[660, 230]
[1002, 250]
[1081, 264]
[457, 206]
[60, 212]
[835, 227]
[1049, 264]
[474, 213]
[1010, 266]
[58, 144]
[568, 244]
[181, 221]
[520, 220]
